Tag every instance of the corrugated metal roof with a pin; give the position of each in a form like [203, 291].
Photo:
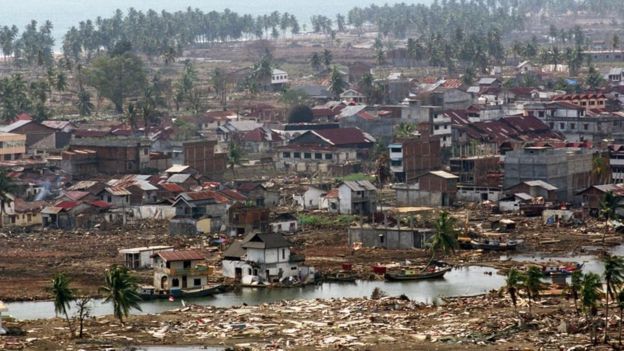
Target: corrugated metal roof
[182, 255]
[443, 174]
[177, 169]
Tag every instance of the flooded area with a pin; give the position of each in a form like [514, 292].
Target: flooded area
[461, 281]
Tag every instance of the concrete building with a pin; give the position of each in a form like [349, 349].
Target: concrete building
[266, 257]
[474, 170]
[357, 197]
[567, 169]
[141, 257]
[434, 189]
[177, 270]
[390, 237]
[12, 146]
[201, 156]
[111, 155]
[413, 157]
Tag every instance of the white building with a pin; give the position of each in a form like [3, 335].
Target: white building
[141, 257]
[357, 197]
[310, 199]
[176, 270]
[284, 223]
[265, 256]
[279, 77]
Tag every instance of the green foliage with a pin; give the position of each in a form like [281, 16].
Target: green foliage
[120, 289]
[533, 283]
[444, 239]
[594, 78]
[235, 155]
[317, 221]
[117, 77]
[356, 177]
[609, 206]
[513, 282]
[405, 130]
[62, 296]
[337, 83]
[292, 97]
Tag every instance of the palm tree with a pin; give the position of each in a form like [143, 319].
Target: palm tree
[120, 288]
[7, 186]
[337, 84]
[315, 61]
[514, 278]
[234, 156]
[590, 295]
[600, 169]
[620, 301]
[444, 237]
[327, 58]
[63, 295]
[405, 130]
[84, 104]
[614, 277]
[575, 286]
[609, 206]
[533, 284]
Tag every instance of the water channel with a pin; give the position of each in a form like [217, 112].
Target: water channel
[463, 281]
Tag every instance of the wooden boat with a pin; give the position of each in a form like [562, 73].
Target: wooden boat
[415, 274]
[562, 270]
[347, 277]
[493, 245]
[147, 292]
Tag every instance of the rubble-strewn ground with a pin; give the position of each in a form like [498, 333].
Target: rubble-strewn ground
[486, 322]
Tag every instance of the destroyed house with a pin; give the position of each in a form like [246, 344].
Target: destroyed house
[244, 219]
[191, 207]
[115, 155]
[180, 269]
[266, 256]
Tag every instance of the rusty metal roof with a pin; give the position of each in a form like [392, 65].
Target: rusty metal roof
[182, 255]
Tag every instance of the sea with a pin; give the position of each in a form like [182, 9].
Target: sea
[67, 13]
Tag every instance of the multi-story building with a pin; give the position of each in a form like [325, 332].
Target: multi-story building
[568, 169]
[413, 157]
[12, 146]
[177, 270]
[114, 155]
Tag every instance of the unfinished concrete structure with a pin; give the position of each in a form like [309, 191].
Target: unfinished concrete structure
[568, 169]
[390, 237]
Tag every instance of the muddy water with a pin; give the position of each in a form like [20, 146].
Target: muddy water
[464, 281]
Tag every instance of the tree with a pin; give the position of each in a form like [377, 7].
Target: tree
[469, 76]
[620, 303]
[293, 97]
[513, 281]
[615, 42]
[594, 78]
[219, 83]
[613, 277]
[120, 288]
[235, 155]
[327, 58]
[444, 239]
[533, 284]
[601, 171]
[367, 86]
[84, 104]
[169, 55]
[315, 61]
[7, 186]
[337, 84]
[405, 130]
[590, 295]
[300, 114]
[575, 286]
[84, 311]
[62, 295]
[609, 206]
[117, 77]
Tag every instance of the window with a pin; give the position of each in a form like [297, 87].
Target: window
[293, 268]
[145, 151]
[307, 155]
[572, 126]
[286, 154]
[329, 156]
[318, 156]
[436, 127]
[592, 103]
[297, 154]
[561, 126]
[283, 254]
[197, 282]
[175, 282]
[187, 264]
[395, 163]
[395, 149]
[540, 114]
[552, 125]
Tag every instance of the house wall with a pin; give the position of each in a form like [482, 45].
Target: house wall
[200, 155]
[269, 256]
[284, 226]
[345, 196]
[389, 238]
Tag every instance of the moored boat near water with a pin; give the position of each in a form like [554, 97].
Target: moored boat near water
[346, 277]
[493, 245]
[415, 274]
[147, 292]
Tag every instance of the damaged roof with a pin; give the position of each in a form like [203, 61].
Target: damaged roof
[182, 255]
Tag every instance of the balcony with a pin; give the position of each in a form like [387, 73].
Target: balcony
[194, 272]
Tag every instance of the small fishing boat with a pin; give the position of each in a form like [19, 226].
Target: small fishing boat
[416, 274]
[342, 276]
[494, 245]
[147, 292]
[565, 269]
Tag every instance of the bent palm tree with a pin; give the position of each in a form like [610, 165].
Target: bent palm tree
[614, 277]
[120, 288]
[575, 286]
[63, 295]
[444, 238]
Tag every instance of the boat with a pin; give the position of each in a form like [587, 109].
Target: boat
[494, 245]
[148, 292]
[342, 276]
[565, 269]
[416, 274]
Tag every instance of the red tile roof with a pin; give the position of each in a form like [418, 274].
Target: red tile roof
[332, 194]
[67, 205]
[100, 204]
[233, 194]
[344, 136]
[452, 84]
[183, 255]
[207, 195]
